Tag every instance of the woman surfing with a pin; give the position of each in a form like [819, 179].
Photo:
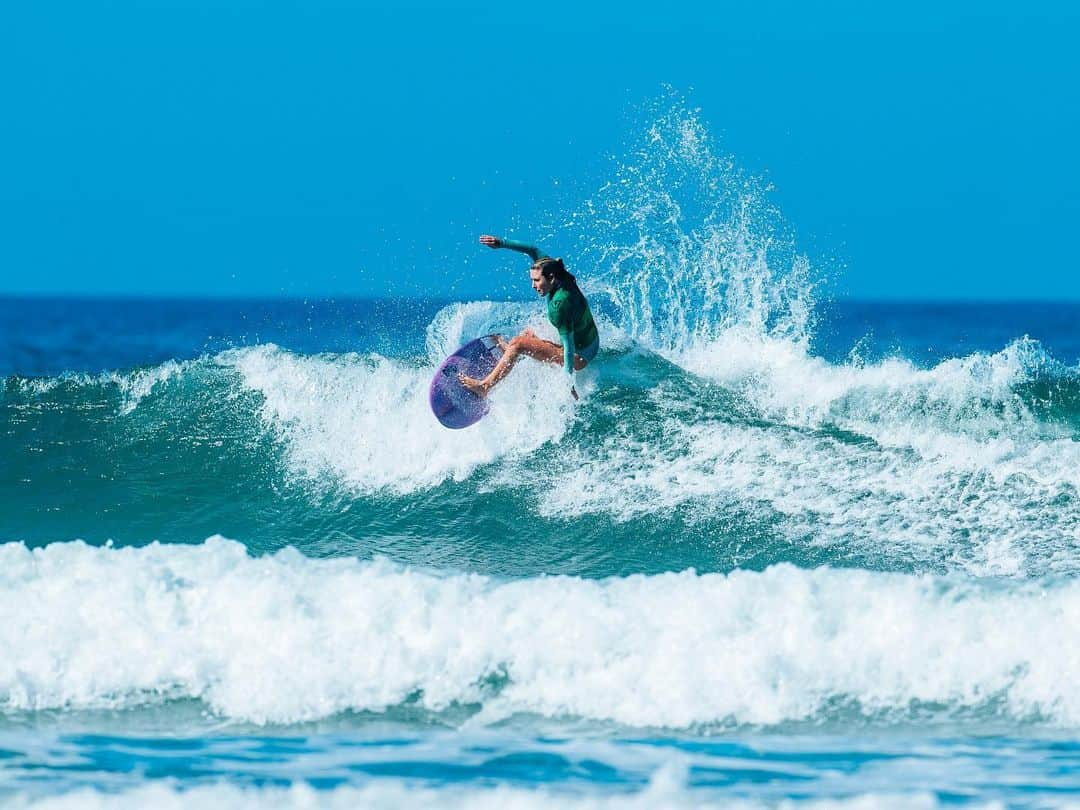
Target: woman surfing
[567, 310]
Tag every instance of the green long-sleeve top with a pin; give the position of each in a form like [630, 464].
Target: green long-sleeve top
[531, 251]
[567, 310]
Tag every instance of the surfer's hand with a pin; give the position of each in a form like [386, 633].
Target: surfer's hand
[490, 241]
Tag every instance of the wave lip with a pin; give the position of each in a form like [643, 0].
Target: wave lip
[284, 639]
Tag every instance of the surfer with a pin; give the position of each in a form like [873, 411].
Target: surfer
[567, 310]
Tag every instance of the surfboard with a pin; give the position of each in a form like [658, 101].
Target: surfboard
[454, 405]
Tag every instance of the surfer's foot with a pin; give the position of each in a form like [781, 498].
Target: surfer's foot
[502, 342]
[476, 386]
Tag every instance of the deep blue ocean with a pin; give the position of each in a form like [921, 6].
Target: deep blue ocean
[785, 551]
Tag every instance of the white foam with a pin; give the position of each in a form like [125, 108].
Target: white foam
[959, 472]
[963, 410]
[365, 421]
[285, 639]
[394, 794]
[34, 386]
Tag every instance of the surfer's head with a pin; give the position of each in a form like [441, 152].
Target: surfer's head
[549, 274]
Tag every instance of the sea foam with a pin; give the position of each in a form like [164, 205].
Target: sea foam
[393, 794]
[284, 638]
[664, 791]
[365, 421]
[940, 468]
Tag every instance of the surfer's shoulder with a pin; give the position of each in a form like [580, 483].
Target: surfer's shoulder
[558, 307]
[559, 297]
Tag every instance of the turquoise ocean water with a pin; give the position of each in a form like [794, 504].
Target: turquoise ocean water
[784, 552]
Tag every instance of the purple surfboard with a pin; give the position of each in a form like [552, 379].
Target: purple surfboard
[452, 403]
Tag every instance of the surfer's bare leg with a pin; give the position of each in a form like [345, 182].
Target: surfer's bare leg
[528, 344]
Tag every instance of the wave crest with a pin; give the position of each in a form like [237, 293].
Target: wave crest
[285, 638]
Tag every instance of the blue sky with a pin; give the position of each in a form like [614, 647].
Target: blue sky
[326, 148]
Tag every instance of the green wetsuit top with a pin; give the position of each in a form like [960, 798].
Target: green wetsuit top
[567, 310]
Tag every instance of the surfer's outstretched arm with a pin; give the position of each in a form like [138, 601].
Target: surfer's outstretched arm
[531, 251]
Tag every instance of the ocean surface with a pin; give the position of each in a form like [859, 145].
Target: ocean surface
[786, 551]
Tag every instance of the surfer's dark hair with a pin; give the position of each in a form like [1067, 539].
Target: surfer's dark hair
[555, 270]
